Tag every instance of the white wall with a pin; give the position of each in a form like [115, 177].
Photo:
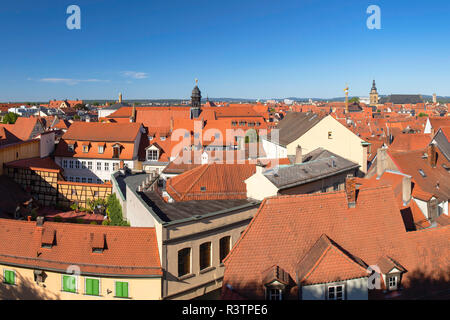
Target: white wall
[94, 173]
[273, 150]
[355, 289]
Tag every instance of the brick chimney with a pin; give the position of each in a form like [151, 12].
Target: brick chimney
[406, 190]
[432, 155]
[350, 190]
[298, 155]
[381, 161]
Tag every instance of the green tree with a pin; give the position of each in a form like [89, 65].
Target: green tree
[114, 211]
[80, 106]
[354, 99]
[10, 118]
[76, 117]
[422, 114]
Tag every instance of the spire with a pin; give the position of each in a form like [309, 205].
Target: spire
[374, 87]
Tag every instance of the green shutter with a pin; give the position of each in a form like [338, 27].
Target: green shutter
[69, 283]
[122, 289]
[10, 277]
[92, 287]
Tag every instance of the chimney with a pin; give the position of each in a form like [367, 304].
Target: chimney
[39, 221]
[432, 155]
[120, 97]
[298, 155]
[259, 167]
[350, 190]
[406, 190]
[381, 161]
[133, 114]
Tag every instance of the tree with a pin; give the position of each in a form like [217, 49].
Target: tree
[114, 211]
[80, 106]
[354, 100]
[422, 114]
[10, 118]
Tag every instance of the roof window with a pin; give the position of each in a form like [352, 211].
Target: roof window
[422, 173]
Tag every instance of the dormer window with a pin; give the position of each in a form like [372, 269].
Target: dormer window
[85, 148]
[152, 155]
[98, 242]
[163, 138]
[422, 173]
[71, 147]
[116, 151]
[275, 294]
[101, 149]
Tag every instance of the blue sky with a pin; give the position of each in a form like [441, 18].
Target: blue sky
[247, 48]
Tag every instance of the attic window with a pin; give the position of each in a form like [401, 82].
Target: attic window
[85, 149]
[48, 238]
[98, 242]
[101, 149]
[422, 173]
[163, 138]
[330, 135]
[70, 147]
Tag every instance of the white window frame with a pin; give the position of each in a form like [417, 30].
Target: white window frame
[149, 151]
[77, 164]
[392, 287]
[99, 286]
[99, 166]
[106, 166]
[274, 296]
[101, 149]
[89, 165]
[335, 286]
[83, 164]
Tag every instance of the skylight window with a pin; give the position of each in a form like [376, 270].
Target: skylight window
[422, 173]
[202, 188]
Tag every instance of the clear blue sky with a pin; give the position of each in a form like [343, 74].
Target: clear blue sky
[247, 48]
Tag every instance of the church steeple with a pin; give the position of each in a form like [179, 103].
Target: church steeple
[196, 101]
[373, 94]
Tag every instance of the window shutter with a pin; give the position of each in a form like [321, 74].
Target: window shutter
[125, 289]
[88, 286]
[118, 289]
[95, 287]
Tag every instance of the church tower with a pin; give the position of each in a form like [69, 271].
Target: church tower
[196, 101]
[373, 95]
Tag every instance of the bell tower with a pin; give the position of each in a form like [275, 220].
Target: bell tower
[373, 95]
[196, 101]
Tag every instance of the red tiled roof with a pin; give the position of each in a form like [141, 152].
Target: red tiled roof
[211, 182]
[409, 142]
[285, 228]
[129, 251]
[107, 132]
[43, 164]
